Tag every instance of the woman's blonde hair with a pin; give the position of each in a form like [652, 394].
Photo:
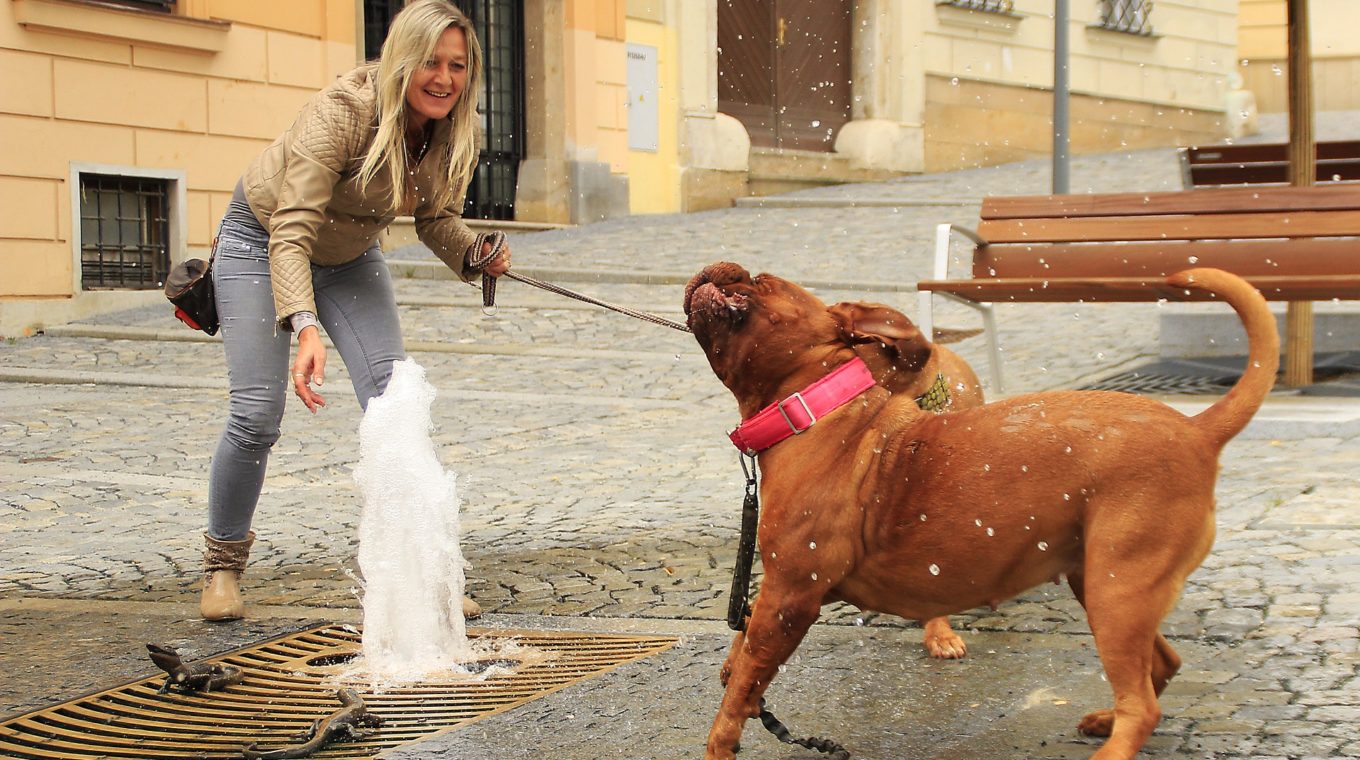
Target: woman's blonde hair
[410, 42]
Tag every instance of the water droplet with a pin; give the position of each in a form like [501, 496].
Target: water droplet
[934, 569]
[814, 576]
[812, 544]
[923, 517]
[978, 523]
[991, 532]
[1043, 546]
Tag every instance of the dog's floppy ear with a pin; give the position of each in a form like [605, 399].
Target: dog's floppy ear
[862, 322]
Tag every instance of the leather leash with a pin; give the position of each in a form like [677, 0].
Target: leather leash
[739, 609]
[476, 260]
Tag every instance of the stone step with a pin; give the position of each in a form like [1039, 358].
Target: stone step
[780, 171]
[1214, 330]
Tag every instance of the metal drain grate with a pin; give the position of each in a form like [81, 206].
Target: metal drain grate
[1157, 384]
[289, 683]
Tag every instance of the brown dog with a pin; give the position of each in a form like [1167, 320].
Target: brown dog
[920, 515]
[904, 361]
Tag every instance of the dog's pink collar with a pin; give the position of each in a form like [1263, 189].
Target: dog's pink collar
[798, 412]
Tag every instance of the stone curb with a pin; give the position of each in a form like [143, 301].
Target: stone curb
[436, 270]
[148, 380]
[802, 202]
[412, 346]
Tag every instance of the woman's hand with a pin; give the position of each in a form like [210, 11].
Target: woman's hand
[502, 263]
[309, 366]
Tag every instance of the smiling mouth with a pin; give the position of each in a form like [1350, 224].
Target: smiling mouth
[439, 95]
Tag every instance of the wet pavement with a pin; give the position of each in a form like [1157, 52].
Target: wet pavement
[599, 493]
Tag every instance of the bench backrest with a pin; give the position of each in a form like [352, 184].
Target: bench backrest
[1265, 163]
[1249, 231]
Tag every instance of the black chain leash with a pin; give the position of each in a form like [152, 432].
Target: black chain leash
[476, 260]
[781, 732]
[739, 609]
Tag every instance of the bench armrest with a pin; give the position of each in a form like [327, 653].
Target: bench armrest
[941, 268]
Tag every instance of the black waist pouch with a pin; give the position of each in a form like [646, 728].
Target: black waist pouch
[190, 289]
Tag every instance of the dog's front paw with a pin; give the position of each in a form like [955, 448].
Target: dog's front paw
[941, 642]
[1098, 723]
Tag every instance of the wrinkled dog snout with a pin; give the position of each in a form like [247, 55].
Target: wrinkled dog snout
[704, 295]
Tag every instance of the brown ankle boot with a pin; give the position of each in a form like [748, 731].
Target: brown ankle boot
[223, 563]
[471, 609]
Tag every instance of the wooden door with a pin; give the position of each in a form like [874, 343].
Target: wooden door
[784, 70]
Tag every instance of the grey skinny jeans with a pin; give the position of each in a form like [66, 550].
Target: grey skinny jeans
[357, 309]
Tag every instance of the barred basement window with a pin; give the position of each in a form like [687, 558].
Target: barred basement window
[990, 6]
[164, 6]
[124, 232]
[1126, 16]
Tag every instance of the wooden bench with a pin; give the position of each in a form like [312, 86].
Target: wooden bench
[1265, 163]
[1292, 243]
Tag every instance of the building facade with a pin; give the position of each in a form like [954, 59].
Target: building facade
[124, 124]
[1263, 53]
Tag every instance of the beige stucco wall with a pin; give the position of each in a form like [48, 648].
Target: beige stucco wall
[1263, 52]
[988, 80]
[199, 92]
[596, 82]
[654, 176]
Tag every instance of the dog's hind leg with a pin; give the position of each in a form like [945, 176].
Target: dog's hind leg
[1138, 662]
[1165, 665]
[941, 641]
[780, 619]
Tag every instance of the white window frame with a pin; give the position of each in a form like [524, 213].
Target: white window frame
[177, 200]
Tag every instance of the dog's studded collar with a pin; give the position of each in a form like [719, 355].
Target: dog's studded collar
[937, 397]
[797, 413]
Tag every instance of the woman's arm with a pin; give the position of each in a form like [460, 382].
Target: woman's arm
[443, 231]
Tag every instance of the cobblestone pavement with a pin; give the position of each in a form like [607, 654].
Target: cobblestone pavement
[599, 493]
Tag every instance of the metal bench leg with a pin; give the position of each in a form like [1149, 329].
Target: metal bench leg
[926, 321]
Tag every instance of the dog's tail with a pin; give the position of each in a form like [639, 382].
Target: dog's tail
[1226, 418]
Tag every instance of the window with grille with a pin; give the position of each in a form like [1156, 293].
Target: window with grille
[500, 29]
[378, 15]
[990, 6]
[124, 232]
[1126, 16]
[165, 6]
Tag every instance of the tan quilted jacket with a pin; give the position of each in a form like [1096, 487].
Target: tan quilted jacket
[304, 190]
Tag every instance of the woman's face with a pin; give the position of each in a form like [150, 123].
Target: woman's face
[436, 84]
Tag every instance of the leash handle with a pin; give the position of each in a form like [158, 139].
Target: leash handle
[738, 608]
[476, 260]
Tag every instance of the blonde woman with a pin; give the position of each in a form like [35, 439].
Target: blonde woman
[297, 252]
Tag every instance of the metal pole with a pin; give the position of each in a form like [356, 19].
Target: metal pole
[1061, 162]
